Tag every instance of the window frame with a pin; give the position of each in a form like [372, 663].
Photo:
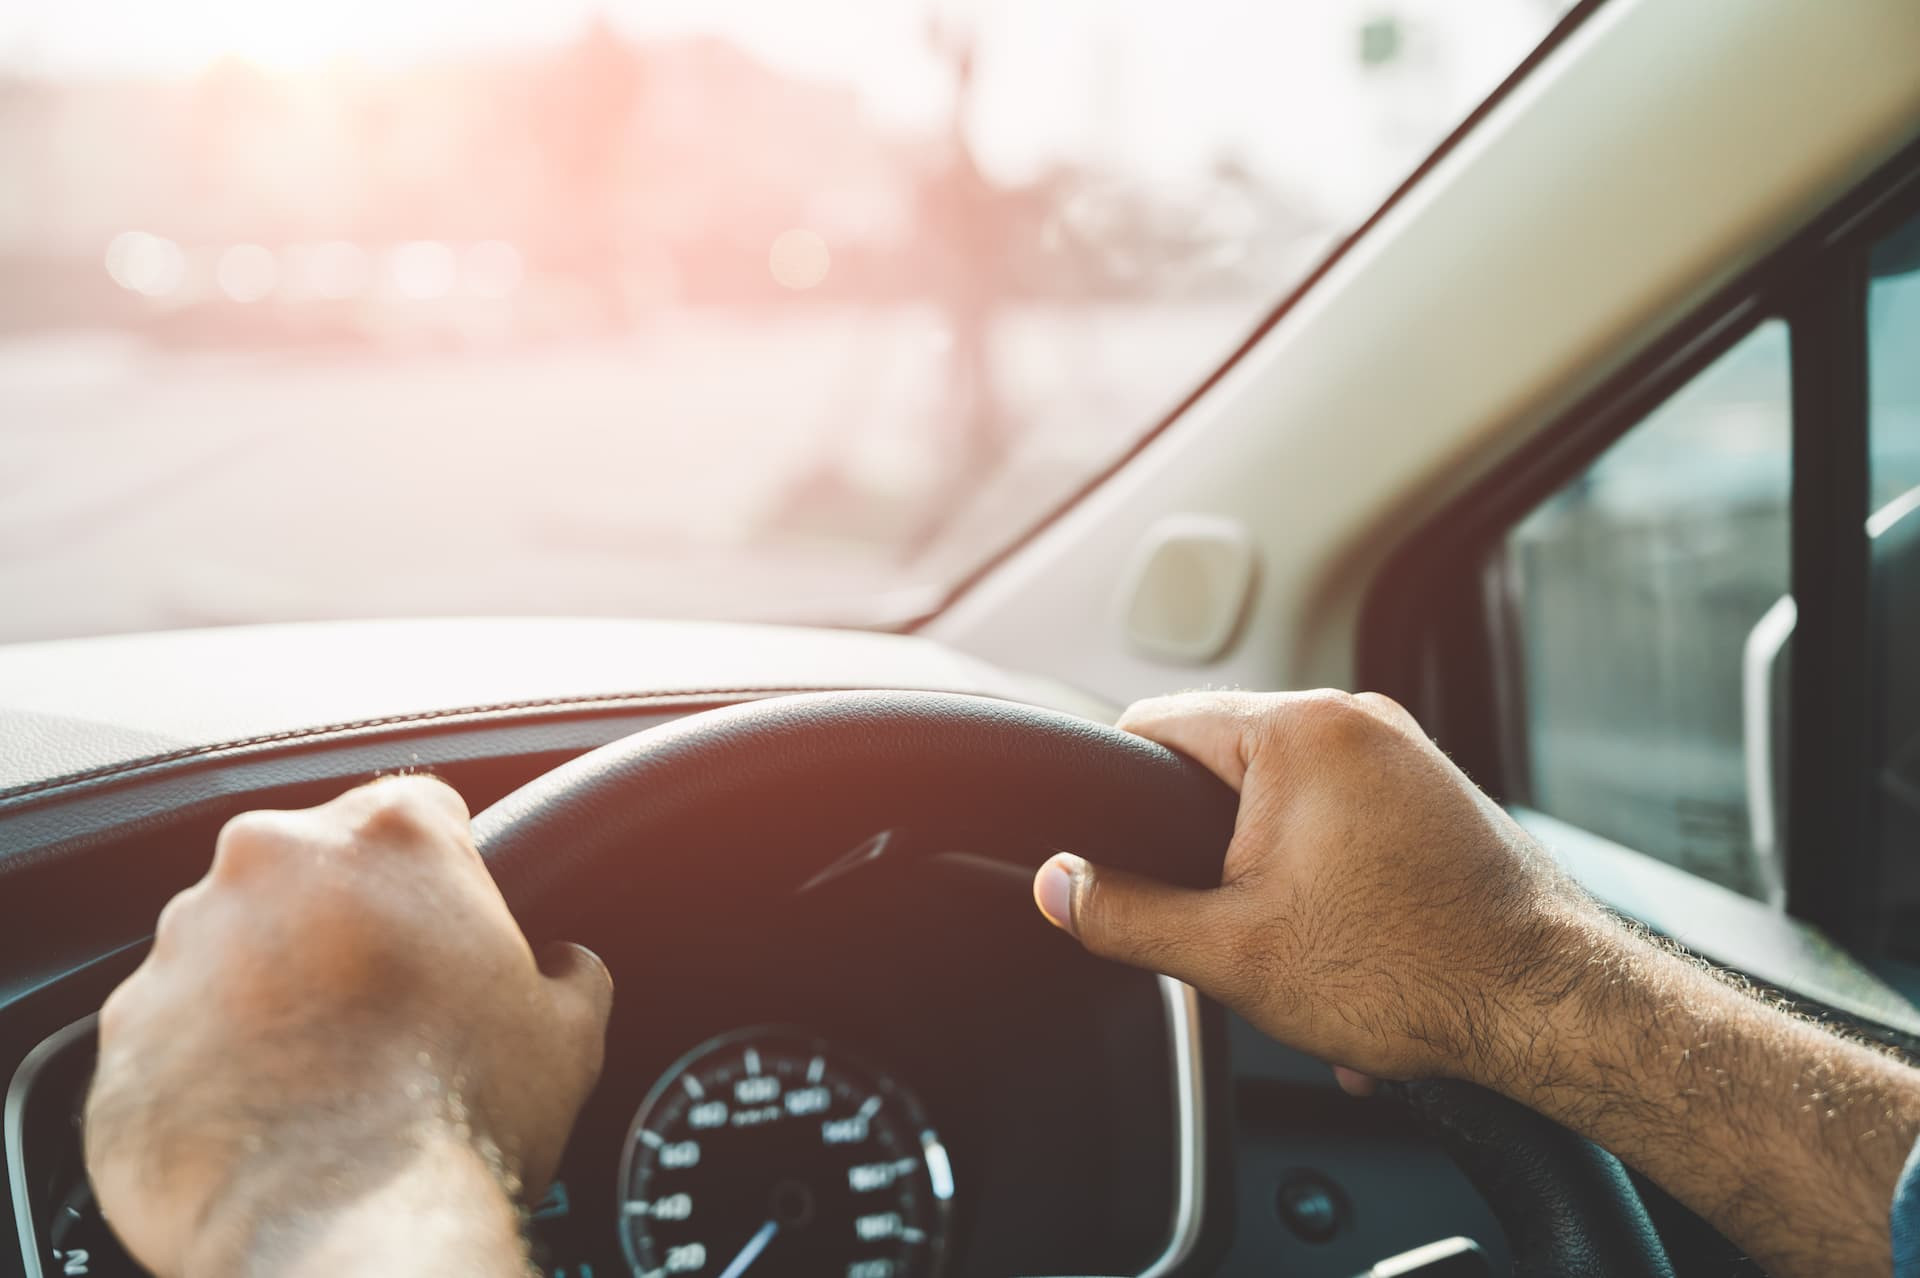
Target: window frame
[1433, 634]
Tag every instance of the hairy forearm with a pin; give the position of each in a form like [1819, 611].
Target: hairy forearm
[1788, 1138]
[443, 1209]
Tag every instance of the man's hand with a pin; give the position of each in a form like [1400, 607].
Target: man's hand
[1377, 911]
[340, 1045]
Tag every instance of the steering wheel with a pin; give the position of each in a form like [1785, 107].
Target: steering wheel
[829, 770]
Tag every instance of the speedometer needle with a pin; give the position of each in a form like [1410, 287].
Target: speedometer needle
[751, 1252]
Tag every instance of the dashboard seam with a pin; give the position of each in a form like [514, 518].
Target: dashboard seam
[303, 736]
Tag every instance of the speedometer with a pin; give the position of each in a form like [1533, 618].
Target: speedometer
[767, 1151]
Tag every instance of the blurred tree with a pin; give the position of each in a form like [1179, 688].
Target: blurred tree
[963, 224]
[583, 123]
[1381, 39]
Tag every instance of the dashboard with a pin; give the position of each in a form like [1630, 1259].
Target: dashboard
[892, 1099]
[899, 1071]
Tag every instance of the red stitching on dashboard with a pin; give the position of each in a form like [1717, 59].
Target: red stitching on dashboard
[583, 702]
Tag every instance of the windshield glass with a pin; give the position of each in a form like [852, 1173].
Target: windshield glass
[710, 308]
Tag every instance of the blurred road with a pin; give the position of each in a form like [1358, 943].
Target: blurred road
[774, 464]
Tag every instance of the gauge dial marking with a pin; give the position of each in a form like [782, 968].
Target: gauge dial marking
[821, 1164]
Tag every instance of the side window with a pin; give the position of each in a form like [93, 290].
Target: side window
[1647, 610]
[1893, 581]
[1704, 644]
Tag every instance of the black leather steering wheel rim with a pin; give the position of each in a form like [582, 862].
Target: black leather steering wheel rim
[1566, 1205]
[829, 771]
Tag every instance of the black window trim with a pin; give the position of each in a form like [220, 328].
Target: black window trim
[1437, 658]
[1829, 797]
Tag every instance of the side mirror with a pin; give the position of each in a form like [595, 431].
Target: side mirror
[1893, 534]
[1894, 639]
[1764, 663]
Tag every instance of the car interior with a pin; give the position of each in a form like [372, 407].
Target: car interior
[1592, 436]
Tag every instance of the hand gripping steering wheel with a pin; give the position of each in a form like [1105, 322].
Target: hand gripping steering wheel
[785, 786]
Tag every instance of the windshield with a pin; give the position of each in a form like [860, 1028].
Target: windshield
[791, 311]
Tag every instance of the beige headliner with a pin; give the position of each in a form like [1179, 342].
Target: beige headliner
[1663, 148]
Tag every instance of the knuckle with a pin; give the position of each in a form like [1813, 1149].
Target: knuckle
[391, 820]
[408, 811]
[1328, 719]
[431, 789]
[114, 1012]
[1379, 701]
[176, 916]
[249, 839]
[1387, 710]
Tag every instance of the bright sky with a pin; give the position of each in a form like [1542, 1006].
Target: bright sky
[1155, 87]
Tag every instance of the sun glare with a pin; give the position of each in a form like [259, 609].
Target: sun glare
[188, 35]
[809, 303]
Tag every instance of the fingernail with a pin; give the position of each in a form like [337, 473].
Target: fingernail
[559, 958]
[1053, 891]
[1353, 1082]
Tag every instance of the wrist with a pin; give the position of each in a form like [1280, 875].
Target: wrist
[341, 1203]
[1596, 996]
[1569, 971]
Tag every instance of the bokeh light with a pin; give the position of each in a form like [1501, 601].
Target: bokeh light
[492, 269]
[150, 265]
[247, 272]
[335, 270]
[799, 259]
[422, 270]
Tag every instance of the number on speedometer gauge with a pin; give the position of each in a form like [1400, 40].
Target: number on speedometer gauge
[766, 1152]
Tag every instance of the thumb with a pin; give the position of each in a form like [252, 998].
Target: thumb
[1134, 919]
[583, 986]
